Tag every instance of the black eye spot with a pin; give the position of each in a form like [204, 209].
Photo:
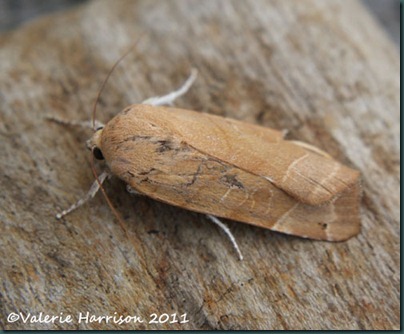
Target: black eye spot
[97, 153]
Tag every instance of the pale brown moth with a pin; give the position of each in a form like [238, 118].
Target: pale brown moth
[229, 169]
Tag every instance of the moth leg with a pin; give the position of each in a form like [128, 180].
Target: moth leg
[311, 148]
[83, 124]
[229, 234]
[91, 193]
[170, 97]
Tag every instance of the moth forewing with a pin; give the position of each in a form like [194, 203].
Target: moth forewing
[232, 169]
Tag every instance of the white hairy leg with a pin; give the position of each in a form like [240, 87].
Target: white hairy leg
[83, 124]
[91, 193]
[228, 232]
[170, 97]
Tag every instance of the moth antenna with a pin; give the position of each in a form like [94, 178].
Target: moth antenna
[114, 211]
[107, 77]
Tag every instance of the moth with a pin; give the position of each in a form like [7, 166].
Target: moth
[229, 169]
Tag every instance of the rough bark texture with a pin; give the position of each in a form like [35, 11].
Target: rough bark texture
[321, 69]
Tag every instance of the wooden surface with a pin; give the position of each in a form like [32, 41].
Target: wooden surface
[323, 70]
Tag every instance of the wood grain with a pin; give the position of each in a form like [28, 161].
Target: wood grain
[323, 70]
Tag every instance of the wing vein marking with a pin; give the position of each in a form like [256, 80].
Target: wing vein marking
[279, 222]
[328, 177]
[294, 163]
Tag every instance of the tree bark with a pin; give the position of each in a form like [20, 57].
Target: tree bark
[323, 70]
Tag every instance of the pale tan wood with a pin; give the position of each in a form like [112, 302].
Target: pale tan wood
[321, 69]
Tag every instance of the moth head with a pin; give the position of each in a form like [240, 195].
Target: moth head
[94, 144]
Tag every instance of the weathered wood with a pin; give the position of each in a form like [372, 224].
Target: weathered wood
[321, 69]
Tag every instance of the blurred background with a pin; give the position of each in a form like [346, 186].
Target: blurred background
[15, 12]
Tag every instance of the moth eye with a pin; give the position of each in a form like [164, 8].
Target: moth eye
[97, 153]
